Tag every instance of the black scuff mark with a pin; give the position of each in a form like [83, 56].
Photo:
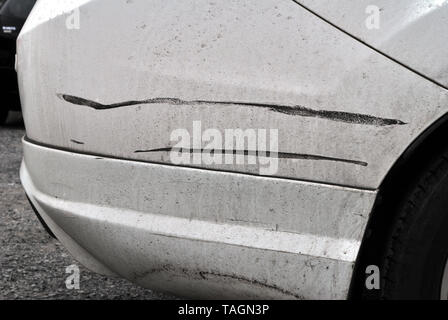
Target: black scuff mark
[76, 141]
[208, 275]
[292, 110]
[279, 155]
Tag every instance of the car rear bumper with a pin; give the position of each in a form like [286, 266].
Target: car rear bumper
[195, 232]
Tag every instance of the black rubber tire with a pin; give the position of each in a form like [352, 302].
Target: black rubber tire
[415, 254]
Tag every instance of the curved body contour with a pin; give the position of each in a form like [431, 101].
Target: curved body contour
[102, 98]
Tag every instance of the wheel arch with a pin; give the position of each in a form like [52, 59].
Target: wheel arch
[391, 191]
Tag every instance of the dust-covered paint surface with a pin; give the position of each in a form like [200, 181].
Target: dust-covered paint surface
[261, 64]
[344, 113]
[33, 265]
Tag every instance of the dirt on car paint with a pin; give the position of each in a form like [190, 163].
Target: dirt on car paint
[32, 264]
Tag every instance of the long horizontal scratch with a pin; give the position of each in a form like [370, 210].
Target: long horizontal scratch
[293, 110]
[270, 154]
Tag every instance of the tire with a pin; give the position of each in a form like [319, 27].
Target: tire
[415, 254]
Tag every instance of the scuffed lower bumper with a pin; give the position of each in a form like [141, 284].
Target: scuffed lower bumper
[199, 233]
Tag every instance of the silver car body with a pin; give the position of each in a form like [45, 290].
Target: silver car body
[105, 82]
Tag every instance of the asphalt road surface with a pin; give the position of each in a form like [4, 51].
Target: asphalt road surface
[32, 264]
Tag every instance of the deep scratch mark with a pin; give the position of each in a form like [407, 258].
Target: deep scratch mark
[293, 110]
[279, 155]
[77, 142]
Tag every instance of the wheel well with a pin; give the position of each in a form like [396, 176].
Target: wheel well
[392, 191]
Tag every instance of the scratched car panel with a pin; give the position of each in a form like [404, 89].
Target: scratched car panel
[148, 70]
[104, 99]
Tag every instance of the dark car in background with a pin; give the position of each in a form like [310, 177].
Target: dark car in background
[13, 14]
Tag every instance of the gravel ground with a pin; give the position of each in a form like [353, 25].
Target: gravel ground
[32, 264]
